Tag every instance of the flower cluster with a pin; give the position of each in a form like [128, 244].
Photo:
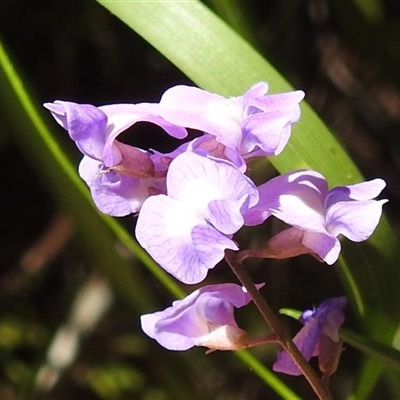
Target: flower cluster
[192, 201]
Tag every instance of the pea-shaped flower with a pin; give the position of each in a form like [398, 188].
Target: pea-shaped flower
[119, 176]
[318, 337]
[188, 230]
[318, 215]
[251, 125]
[203, 318]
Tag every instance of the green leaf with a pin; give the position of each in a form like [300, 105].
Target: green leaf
[266, 375]
[388, 355]
[215, 58]
[290, 312]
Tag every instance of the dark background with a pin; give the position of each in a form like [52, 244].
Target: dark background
[348, 66]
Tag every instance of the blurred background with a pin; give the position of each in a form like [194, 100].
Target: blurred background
[69, 329]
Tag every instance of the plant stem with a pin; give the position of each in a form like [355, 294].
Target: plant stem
[234, 261]
[271, 338]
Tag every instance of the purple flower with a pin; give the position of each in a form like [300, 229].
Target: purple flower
[188, 230]
[204, 318]
[119, 176]
[321, 325]
[250, 125]
[302, 199]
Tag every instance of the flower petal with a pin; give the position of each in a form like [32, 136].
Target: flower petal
[114, 193]
[86, 125]
[331, 312]
[306, 341]
[197, 181]
[198, 109]
[325, 245]
[203, 318]
[269, 120]
[118, 195]
[257, 90]
[295, 198]
[123, 116]
[356, 220]
[225, 215]
[89, 169]
[325, 320]
[177, 239]
[360, 191]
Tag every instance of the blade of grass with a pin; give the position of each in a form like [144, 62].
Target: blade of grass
[388, 355]
[266, 375]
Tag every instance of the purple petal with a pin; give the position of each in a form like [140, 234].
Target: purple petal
[269, 120]
[295, 198]
[198, 109]
[85, 124]
[257, 90]
[281, 101]
[256, 215]
[89, 169]
[123, 116]
[360, 191]
[306, 341]
[198, 181]
[177, 230]
[114, 193]
[326, 319]
[120, 116]
[325, 245]
[350, 210]
[176, 327]
[118, 195]
[162, 161]
[268, 132]
[175, 237]
[226, 215]
[356, 220]
[210, 146]
[187, 321]
[244, 124]
[331, 312]
[210, 245]
[230, 292]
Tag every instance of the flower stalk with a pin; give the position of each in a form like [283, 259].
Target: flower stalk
[320, 389]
